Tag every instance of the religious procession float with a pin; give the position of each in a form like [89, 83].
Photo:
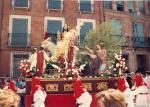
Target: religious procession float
[59, 64]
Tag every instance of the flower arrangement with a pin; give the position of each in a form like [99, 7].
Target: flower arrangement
[119, 65]
[25, 69]
[24, 66]
[70, 72]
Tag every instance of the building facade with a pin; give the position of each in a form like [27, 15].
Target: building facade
[25, 21]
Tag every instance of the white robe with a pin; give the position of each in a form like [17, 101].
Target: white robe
[141, 97]
[128, 97]
[33, 60]
[39, 99]
[84, 100]
[147, 81]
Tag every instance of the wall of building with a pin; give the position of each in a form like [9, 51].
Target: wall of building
[70, 13]
[38, 11]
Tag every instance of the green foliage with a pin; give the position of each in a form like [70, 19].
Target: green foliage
[105, 33]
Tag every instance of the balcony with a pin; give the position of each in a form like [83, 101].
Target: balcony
[20, 4]
[18, 40]
[140, 42]
[137, 42]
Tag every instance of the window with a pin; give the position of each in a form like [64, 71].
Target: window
[53, 25]
[141, 6]
[142, 62]
[88, 25]
[149, 6]
[107, 4]
[120, 5]
[116, 24]
[16, 58]
[131, 6]
[55, 4]
[138, 31]
[20, 3]
[86, 5]
[19, 30]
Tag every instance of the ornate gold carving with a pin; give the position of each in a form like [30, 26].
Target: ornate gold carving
[102, 86]
[52, 87]
[88, 86]
[68, 87]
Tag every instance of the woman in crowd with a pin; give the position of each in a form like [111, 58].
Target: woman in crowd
[110, 98]
[8, 98]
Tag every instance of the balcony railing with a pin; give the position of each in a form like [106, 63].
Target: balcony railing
[140, 42]
[137, 42]
[18, 40]
[20, 4]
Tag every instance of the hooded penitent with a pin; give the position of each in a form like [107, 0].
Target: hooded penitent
[83, 98]
[12, 86]
[35, 85]
[121, 84]
[78, 88]
[138, 79]
[38, 93]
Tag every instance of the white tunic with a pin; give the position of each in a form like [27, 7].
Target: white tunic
[33, 60]
[39, 99]
[147, 81]
[141, 97]
[128, 98]
[84, 100]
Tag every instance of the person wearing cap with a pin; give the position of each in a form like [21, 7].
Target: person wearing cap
[37, 93]
[42, 57]
[123, 87]
[83, 98]
[140, 94]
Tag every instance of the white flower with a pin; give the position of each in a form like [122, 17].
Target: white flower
[117, 65]
[27, 70]
[110, 67]
[56, 67]
[70, 78]
[114, 69]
